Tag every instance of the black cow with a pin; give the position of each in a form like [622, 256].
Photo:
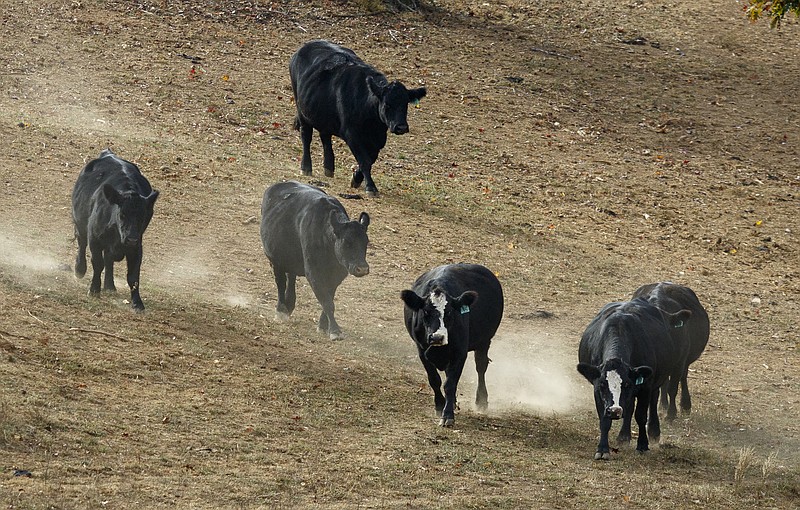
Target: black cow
[306, 232]
[671, 298]
[338, 94]
[112, 204]
[449, 311]
[627, 353]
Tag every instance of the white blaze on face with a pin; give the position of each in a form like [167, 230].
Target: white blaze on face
[615, 387]
[439, 301]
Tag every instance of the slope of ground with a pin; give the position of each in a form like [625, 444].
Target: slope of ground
[577, 149]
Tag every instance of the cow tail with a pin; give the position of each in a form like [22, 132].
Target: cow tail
[296, 124]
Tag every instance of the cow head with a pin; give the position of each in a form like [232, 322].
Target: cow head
[615, 385]
[393, 99]
[132, 213]
[442, 314]
[350, 243]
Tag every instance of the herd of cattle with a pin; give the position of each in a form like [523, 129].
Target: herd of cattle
[630, 352]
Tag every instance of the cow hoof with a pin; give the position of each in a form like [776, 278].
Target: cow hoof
[447, 422]
[328, 173]
[602, 456]
[372, 194]
[281, 316]
[642, 452]
[305, 172]
[137, 308]
[336, 336]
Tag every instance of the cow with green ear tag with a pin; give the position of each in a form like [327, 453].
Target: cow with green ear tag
[449, 311]
[627, 354]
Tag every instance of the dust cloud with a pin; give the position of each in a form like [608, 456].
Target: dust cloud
[530, 372]
[26, 255]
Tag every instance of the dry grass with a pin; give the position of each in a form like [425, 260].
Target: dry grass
[597, 167]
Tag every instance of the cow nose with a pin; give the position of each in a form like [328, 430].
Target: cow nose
[400, 129]
[614, 412]
[132, 241]
[360, 271]
[435, 339]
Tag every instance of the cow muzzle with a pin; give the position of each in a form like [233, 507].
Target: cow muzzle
[400, 129]
[359, 271]
[437, 339]
[131, 241]
[614, 412]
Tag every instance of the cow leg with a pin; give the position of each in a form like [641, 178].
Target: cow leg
[664, 399]
[290, 299]
[453, 374]
[134, 260]
[282, 311]
[603, 450]
[306, 132]
[653, 422]
[643, 405]
[481, 364]
[672, 389]
[364, 172]
[108, 282]
[435, 382]
[624, 436]
[327, 322]
[323, 323]
[80, 259]
[358, 178]
[97, 267]
[327, 154]
[370, 188]
[686, 399]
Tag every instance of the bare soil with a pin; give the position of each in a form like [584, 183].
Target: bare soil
[579, 149]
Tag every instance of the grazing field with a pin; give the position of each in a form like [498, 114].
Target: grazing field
[578, 149]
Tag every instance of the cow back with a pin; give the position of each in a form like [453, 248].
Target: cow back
[634, 332]
[331, 93]
[295, 221]
[671, 298]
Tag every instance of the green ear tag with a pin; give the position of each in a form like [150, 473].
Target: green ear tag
[464, 309]
[639, 380]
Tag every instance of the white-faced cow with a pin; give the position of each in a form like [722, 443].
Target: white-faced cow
[338, 94]
[306, 232]
[627, 353]
[671, 298]
[449, 311]
[112, 204]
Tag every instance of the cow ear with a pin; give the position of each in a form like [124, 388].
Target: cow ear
[416, 94]
[374, 87]
[112, 195]
[151, 198]
[678, 319]
[590, 372]
[364, 220]
[639, 374]
[336, 225]
[467, 299]
[412, 300]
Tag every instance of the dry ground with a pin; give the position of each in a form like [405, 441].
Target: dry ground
[551, 148]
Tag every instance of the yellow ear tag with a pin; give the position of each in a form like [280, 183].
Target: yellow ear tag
[416, 103]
